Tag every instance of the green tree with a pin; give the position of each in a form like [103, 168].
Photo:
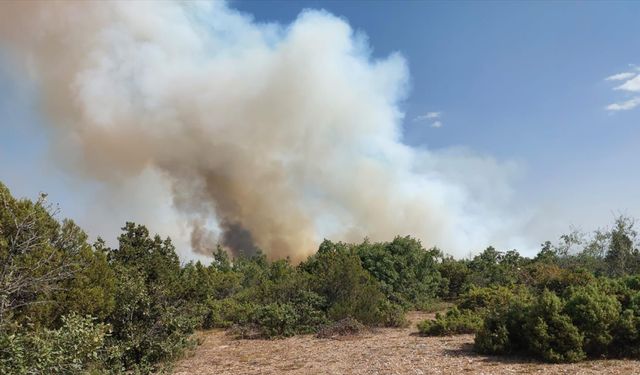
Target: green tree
[621, 256]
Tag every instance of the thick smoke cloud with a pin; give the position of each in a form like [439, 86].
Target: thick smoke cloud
[266, 136]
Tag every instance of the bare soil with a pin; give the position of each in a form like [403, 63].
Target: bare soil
[382, 351]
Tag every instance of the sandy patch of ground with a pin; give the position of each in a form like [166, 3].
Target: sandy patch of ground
[384, 351]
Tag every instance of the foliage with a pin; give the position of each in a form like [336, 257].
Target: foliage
[48, 269]
[68, 306]
[540, 328]
[594, 313]
[407, 273]
[550, 333]
[456, 275]
[481, 299]
[588, 322]
[454, 321]
[350, 291]
[226, 312]
[74, 348]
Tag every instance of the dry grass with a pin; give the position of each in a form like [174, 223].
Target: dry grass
[383, 351]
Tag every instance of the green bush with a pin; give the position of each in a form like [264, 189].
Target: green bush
[75, 348]
[227, 312]
[594, 313]
[392, 315]
[309, 311]
[454, 321]
[481, 299]
[276, 320]
[407, 273]
[349, 290]
[456, 275]
[626, 335]
[540, 328]
[149, 326]
[501, 331]
[494, 337]
[551, 334]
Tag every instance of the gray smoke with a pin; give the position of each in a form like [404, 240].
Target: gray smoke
[263, 135]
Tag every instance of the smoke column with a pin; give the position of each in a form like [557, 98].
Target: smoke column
[267, 136]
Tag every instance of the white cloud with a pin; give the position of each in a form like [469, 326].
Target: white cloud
[624, 106]
[620, 76]
[632, 84]
[432, 117]
[428, 116]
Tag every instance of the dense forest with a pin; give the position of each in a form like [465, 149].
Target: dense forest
[68, 306]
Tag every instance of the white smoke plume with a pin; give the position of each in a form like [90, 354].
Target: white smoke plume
[266, 136]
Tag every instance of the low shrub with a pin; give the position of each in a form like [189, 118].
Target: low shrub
[594, 313]
[626, 335]
[481, 299]
[455, 321]
[550, 333]
[226, 312]
[541, 329]
[392, 315]
[75, 348]
[275, 320]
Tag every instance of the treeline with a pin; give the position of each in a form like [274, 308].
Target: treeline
[68, 306]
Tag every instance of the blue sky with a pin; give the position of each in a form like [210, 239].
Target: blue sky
[518, 81]
[512, 79]
[521, 81]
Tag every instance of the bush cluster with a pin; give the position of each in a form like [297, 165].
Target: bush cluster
[455, 321]
[74, 348]
[68, 306]
[586, 322]
[134, 307]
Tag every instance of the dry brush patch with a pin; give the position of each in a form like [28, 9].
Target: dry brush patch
[382, 351]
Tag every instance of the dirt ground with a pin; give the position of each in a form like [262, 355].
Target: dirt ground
[384, 351]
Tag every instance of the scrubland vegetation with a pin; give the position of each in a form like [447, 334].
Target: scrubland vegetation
[68, 306]
[564, 305]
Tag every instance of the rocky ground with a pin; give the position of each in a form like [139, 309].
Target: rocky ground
[383, 351]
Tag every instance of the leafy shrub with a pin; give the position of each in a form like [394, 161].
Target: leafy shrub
[349, 290]
[454, 321]
[594, 313]
[540, 328]
[407, 272]
[276, 320]
[550, 332]
[227, 312]
[480, 299]
[392, 315]
[501, 331]
[74, 348]
[456, 275]
[309, 311]
[626, 335]
[149, 326]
